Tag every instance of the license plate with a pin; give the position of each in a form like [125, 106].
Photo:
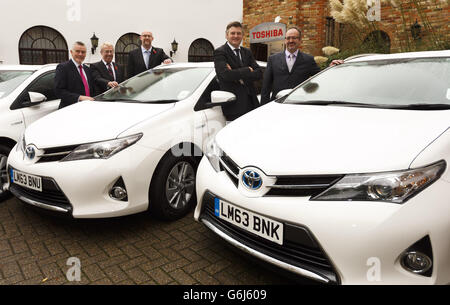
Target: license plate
[26, 180]
[260, 225]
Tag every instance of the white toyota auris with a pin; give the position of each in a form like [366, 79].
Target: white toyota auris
[346, 179]
[134, 148]
[26, 94]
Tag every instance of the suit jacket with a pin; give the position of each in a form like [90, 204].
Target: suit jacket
[136, 63]
[102, 77]
[277, 76]
[229, 80]
[68, 83]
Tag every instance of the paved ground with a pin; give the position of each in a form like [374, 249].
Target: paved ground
[34, 249]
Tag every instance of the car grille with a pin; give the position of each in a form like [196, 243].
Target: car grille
[301, 186]
[56, 153]
[51, 194]
[230, 168]
[299, 247]
[310, 185]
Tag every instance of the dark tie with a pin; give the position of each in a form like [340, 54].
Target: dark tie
[110, 70]
[85, 84]
[238, 54]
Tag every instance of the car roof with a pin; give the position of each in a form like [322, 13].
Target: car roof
[372, 57]
[208, 64]
[25, 67]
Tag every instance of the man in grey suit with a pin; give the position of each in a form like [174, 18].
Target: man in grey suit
[287, 69]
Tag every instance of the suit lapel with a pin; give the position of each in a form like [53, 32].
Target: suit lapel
[233, 55]
[105, 70]
[298, 61]
[153, 58]
[283, 63]
[140, 57]
[77, 73]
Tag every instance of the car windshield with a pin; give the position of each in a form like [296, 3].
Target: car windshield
[421, 84]
[162, 85]
[9, 80]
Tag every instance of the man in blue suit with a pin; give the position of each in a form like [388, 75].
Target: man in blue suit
[287, 69]
[73, 79]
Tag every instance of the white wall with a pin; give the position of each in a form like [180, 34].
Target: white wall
[184, 20]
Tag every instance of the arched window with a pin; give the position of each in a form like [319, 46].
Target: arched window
[377, 41]
[200, 50]
[42, 45]
[124, 45]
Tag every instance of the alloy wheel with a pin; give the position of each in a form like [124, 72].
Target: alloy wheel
[180, 185]
[3, 172]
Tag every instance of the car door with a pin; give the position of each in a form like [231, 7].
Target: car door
[214, 118]
[43, 84]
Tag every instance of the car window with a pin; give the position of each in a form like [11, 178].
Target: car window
[10, 80]
[206, 96]
[158, 86]
[44, 85]
[383, 83]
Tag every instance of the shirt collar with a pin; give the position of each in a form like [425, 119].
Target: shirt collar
[106, 64]
[289, 53]
[232, 48]
[75, 63]
[144, 49]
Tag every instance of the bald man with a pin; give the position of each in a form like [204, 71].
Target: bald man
[146, 57]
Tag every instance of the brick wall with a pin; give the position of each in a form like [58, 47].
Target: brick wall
[310, 16]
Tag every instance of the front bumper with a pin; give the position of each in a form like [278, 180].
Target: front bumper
[85, 184]
[363, 241]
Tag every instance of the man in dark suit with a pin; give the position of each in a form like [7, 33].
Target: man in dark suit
[73, 79]
[236, 70]
[146, 57]
[287, 69]
[106, 73]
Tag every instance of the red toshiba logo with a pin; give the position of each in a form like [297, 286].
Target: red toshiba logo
[267, 34]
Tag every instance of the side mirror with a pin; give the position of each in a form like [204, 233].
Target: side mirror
[222, 97]
[36, 97]
[283, 93]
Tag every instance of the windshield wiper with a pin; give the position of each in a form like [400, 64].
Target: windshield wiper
[161, 101]
[327, 103]
[119, 100]
[422, 106]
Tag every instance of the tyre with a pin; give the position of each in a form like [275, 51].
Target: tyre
[172, 190]
[4, 152]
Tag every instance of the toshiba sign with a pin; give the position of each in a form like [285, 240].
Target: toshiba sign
[269, 31]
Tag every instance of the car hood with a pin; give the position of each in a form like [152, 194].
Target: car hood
[87, 122]
[286, 139]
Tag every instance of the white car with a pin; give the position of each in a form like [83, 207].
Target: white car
[135, 148]
[346, 179]
[26, 94]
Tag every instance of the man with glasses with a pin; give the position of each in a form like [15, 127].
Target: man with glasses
[287, 69]
[106, 73]
[146, 57]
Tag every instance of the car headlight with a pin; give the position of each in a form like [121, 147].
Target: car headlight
[101, 150]
[396, 187]
[213, 153]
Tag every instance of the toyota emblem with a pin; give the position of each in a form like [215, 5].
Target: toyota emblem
[251, 180]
